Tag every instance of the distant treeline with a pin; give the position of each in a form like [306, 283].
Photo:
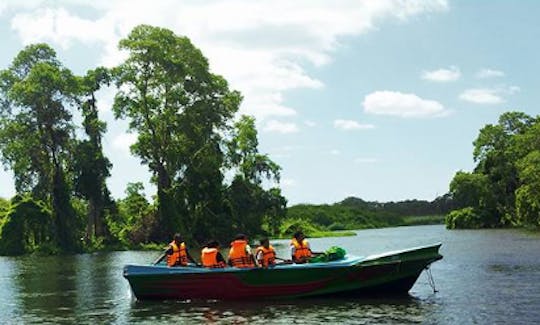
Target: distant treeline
[355, 213]
[503, 190]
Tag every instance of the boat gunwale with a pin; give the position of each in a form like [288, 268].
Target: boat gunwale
[348, 262]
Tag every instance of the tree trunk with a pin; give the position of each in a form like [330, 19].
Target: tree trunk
[91, 229]
[168, 216]
[61, 216]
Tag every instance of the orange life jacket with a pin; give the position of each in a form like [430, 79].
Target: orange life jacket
[301, 250]
[178, 256]
[268, 255]
[209, 258]
[238, 257]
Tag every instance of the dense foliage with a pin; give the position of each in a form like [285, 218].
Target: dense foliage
[188, 136]
[504, 188]
[25, 226]
[36, 131]
[179, 111]
[90, 166]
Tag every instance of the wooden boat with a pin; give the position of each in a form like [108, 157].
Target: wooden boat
[388, 273]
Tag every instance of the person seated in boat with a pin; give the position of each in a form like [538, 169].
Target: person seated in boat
[177, 252]
[211, 257]
[240, 253]
[265, 254]
[300, 250]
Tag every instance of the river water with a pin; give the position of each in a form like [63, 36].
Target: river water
[486, 277]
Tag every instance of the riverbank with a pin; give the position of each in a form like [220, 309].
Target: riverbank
[423, 220]
[310, 230]
[339, 228]
[322, 234]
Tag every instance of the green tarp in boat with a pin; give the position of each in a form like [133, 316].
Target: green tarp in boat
[334, 253]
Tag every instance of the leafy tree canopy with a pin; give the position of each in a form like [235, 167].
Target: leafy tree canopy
[504, 188]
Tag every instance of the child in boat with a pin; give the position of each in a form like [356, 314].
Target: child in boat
[265, 254]
[300, 250]
[210, 255]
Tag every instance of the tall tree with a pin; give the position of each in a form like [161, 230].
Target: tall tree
[528, 194]
[494, 151]
[178, 109]
[247, 200]
[136, 216]
[470, 190]
[504, 188]
[527, 146]
[244, 153]
[90, 166]
[36, 131]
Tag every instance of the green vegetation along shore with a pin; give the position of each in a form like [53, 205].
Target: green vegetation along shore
[503, 190]
[355, 213]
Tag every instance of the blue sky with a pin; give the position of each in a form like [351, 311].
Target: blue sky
[375, 99]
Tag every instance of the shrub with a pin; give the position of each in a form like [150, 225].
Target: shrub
[290, 226]
[464, 218]
[26, 226]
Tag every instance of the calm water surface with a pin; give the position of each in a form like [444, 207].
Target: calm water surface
[486, 277]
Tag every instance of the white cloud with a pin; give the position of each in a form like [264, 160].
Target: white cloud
[123, 141]
[310, 123]
[481, 96]
[18, 5]
[267, 104]
[395, 103]
[489, 73]
[511, 90]
[442, 75]
[352, 125]
[366, 160]
[288, 182]
[335, 152]
[489, 96]
[262, 51]
[60, 27]
[280, 127]
[105, 98]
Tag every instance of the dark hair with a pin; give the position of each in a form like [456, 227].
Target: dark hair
[264, 240]
[177, 237]
[240, 236]
[212, 244]
[298, 233]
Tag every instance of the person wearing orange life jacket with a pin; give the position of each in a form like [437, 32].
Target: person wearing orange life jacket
[211, 257]
[240, 253]
[300, 250]
[265, 254]
[177, 253]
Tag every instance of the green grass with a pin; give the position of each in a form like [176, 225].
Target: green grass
[323, 233]
[423, 220]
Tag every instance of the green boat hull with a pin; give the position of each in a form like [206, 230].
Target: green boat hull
[389, 273]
